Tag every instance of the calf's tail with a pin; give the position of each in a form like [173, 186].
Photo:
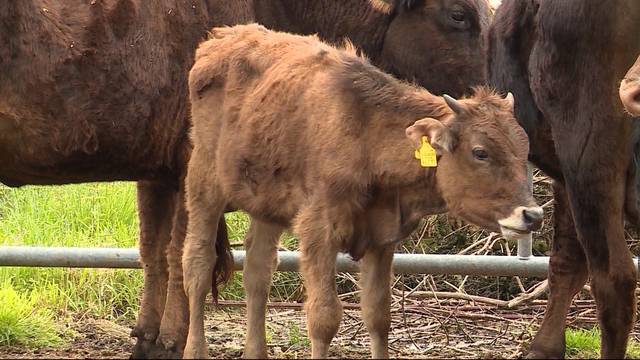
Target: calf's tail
[224, 259]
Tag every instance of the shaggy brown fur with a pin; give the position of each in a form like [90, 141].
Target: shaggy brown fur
[96, 91]
[299, 134]
[630, 89]
[564, 61]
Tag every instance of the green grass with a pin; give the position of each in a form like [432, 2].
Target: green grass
[72, 215]
[24, 323]
[297, 337]
[585, 344]
[88, 215]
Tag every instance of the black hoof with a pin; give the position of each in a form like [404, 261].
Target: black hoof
[146, 349]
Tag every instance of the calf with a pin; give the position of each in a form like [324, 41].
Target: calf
[96, 91]
[630, 89]
[300, 134]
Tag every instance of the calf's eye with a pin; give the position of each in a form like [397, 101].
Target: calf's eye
[480, 154]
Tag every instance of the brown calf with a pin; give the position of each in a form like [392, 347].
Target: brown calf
[630, 89]
[96, 91]
[302, 135]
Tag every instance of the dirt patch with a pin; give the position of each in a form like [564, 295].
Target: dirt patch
[88, 338]
[414, 334]
[428, 329]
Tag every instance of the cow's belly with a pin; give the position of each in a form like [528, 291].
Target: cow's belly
[78, 170]
[31, 153]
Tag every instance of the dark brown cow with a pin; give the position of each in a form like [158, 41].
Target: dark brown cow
[96, 91]
[630, 89]
[300, 134]
[395, 38]
[564, 60]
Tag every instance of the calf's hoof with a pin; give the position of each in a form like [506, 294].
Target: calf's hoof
[152, 350]
[145, 341]
[196, 351]
[148, 347]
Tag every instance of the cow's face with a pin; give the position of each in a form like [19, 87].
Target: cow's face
[437, 43]
[630, 90]
[482, 170]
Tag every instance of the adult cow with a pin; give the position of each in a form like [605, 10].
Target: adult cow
[630, 89]
[564, 60]
[96, 91]
[259, 96]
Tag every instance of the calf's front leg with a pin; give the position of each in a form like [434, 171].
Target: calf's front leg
[318, 267]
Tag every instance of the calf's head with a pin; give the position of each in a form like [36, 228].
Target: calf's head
[437, 43]
[482, 167]
[630, 90]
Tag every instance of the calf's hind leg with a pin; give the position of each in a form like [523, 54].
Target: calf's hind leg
[205, 206]
[376, 297]
[155, 208]
[261, 244]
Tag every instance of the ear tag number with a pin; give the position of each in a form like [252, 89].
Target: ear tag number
[426, 154]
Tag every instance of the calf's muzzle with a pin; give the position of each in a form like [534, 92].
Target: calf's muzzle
[523, 220]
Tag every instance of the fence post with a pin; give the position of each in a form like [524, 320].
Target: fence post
[525, 243]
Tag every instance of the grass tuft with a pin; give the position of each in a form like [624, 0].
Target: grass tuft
[24, 323]
[585, 344]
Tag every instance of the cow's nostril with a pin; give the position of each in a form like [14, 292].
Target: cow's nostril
[533, 217]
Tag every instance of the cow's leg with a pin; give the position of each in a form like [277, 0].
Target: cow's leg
[205, 206]
[567, 275]
[319, 249]
[597, 203]
[613, 275]
[173, 329]
[155, 206]
[376, 297]
[261, 244]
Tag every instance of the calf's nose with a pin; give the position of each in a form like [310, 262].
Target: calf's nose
[533, 217]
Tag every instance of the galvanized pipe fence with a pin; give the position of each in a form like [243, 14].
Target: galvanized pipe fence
[122, 258]
[524, 264]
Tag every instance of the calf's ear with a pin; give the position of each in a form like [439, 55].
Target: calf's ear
[441, 137]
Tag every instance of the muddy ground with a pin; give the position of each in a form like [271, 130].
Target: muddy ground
[417, 332]
[430, 328]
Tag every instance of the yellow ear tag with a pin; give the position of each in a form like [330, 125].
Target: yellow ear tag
[426, 154]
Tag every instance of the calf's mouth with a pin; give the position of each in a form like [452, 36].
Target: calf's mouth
[522, 221]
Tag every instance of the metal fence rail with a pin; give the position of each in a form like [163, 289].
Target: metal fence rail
[288, 261]
[122, 258]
